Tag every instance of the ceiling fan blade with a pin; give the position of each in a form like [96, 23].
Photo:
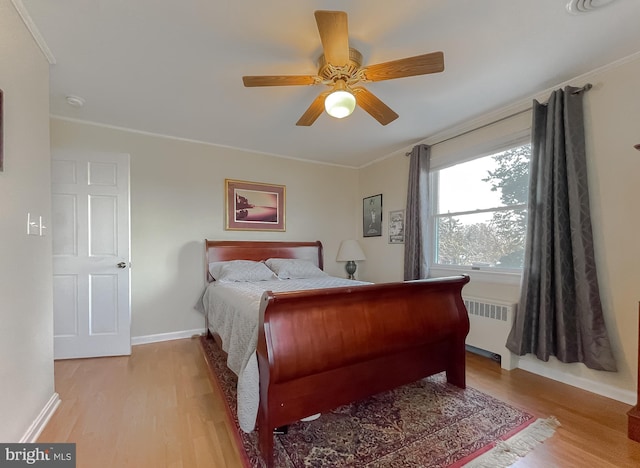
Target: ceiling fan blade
[410, 66]
[374, 106]
[334, 34]
[313, 112]
[284, 80]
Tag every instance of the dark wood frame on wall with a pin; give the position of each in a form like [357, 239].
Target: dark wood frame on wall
[239, 217]
[1, 137]
[372, 216]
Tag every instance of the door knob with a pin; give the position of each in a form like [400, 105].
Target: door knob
[122, 265]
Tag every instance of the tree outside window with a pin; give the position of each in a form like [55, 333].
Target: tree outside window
[480, 219]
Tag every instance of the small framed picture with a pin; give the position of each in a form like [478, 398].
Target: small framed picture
[1, 139]
[396, 227]
[372, 216]
[254, 206]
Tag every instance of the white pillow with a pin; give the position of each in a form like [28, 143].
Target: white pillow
[294, 268]
[240, 270]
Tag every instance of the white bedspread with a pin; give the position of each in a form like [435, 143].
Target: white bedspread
[233, 313]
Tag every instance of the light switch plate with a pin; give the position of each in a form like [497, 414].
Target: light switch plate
[33, 227]
[41, 226]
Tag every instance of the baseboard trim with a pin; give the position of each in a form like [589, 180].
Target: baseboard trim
[38, 425]
[625, 396]
[179, 335]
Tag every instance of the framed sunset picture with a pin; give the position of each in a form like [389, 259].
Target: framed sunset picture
[254, 206]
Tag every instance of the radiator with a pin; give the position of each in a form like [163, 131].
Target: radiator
[490, 322]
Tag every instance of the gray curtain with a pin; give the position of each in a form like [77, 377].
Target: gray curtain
[416, 258]
[560, 312]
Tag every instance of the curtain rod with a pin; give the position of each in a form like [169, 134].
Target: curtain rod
[586, 87]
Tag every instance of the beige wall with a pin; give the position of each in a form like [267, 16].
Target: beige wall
[612, 116]
[26, 313]
[389, 177]
[177, 200]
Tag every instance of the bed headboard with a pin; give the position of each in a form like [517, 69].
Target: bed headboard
[219, 251]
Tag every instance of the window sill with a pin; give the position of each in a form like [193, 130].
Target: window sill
[483, 276]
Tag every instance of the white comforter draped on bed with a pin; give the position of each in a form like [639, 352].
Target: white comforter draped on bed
[233, 312]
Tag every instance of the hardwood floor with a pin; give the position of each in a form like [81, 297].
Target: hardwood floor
[158, 408]
[593, 430]
[155, 408]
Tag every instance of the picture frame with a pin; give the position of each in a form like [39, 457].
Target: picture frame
[254, 206]
[1, 135]
[396, 227]
[372, 216]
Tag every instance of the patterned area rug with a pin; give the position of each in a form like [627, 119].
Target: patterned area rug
[425, 424]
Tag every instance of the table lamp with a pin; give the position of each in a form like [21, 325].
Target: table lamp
[349, 252]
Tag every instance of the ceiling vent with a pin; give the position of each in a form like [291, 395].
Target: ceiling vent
[585, 6]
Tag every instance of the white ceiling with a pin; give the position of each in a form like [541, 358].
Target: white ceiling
[174, 67]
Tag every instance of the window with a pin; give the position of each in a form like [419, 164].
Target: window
[480, 211]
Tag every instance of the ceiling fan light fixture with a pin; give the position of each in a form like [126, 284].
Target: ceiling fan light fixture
[340, 103]
[340, 66]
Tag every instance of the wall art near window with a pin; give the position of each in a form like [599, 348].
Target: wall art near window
[254, 206]
[1, 137]
[372, 216]
[396, 227]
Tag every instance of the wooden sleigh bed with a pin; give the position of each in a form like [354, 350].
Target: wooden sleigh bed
[322, 348]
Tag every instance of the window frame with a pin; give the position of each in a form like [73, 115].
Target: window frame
[493, 274]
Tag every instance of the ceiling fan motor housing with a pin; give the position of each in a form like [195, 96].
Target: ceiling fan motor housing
[346, 72]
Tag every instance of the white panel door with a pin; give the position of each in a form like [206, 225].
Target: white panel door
[91, 237]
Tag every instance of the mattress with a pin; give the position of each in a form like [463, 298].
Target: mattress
[233, 310]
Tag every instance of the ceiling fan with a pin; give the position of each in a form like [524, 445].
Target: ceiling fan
[340, 68]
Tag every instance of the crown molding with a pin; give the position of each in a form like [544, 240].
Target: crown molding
[191, 140]
[33, 29]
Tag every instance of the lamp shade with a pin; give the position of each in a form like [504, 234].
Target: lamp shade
[340, 104]
[350, 250]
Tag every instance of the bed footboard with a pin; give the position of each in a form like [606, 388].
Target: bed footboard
[320, 349]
